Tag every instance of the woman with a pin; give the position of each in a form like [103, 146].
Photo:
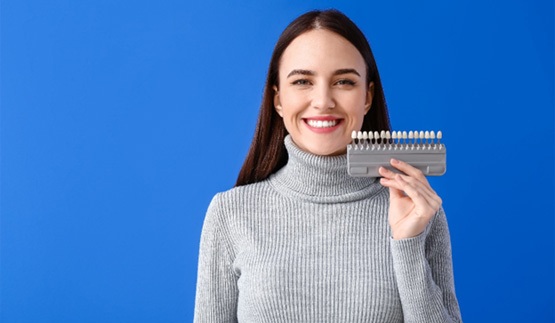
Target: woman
[298, 239]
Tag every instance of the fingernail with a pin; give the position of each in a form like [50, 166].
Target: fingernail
[394, 161]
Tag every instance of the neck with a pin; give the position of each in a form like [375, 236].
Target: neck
[320, 178]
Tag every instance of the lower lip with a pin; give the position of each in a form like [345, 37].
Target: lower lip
[324, 130]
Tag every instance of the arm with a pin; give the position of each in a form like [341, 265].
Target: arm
[424, 272]
[420, 247]
[216, 298]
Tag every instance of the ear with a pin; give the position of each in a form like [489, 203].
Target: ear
[369, 97]
[277, 103]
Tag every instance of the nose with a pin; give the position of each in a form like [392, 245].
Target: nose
[323, 98]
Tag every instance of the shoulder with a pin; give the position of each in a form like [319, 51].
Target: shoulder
[230, 211]
[239, 198]
[240, 194]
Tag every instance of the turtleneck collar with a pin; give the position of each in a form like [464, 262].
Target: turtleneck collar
[320, 178]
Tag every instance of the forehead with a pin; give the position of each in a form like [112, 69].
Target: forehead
[321, 51]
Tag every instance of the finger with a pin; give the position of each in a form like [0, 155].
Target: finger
[384, 172]
[395, 190]
[423, 188]
[391, 183]
[409, 170]
[414, 172]
[416, 194]
[399, 186]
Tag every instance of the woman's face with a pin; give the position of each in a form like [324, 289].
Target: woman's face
[322, 95]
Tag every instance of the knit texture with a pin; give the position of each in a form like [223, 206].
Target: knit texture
[313, 244]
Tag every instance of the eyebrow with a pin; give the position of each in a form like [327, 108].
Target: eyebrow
[300, 72]
[346, 71]
[311, 73]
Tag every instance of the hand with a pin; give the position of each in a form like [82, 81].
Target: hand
[412, 201]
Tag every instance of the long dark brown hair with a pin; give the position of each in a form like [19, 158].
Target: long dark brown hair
[267, 153]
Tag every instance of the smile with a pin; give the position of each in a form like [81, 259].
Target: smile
[322, 123]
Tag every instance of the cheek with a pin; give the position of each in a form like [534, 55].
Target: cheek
[357, 108]
[291, 104]
[287, 95]
[356, 121]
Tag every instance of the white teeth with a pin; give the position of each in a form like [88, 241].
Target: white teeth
[322, 124]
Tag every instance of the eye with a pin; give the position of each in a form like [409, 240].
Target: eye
[345, 82]
[301, 82]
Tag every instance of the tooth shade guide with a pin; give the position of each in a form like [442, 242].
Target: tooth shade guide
[421, 149]
[396, 140]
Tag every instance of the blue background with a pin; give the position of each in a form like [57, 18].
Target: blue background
[121, 119]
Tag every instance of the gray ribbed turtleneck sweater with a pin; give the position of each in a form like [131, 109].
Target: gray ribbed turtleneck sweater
[312, 244]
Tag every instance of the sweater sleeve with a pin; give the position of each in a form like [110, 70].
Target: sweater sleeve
[216, 295]
[424, 272]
